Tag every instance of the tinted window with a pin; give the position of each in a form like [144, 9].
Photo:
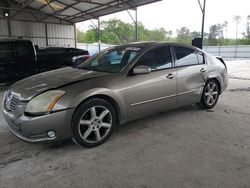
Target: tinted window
[158, 58]
[201, 58]
[185, 56]
[113, 60]
[24, 49]
[5, 50]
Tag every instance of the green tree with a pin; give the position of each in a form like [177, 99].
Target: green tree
[237, 21]
[90, 36]
[157, 34]
[116, 31]
[224, 26]
[183, 35]
[80, 35]
[215, 31]
[215, 36]
[247, 33]
[195, 34]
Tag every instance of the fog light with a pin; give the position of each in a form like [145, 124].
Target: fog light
[51, 134]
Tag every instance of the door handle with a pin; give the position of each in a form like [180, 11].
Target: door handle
[170, 76]
[203, 70]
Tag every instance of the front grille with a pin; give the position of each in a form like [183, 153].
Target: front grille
[11, 101]
[14, 101]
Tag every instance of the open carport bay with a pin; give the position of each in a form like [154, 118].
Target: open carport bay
[187, 147]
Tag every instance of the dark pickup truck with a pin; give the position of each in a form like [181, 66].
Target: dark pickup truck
[19, 59]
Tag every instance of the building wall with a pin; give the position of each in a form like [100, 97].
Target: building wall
[48, 32]
[3, 29]
[61, 35]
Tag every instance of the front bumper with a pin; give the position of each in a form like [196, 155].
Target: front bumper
[35, 129]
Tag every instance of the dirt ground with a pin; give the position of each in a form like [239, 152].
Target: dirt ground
[187, 147]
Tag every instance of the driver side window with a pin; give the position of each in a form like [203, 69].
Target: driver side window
[157, 59]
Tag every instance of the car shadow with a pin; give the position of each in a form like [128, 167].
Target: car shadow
[160, 117]
[12, 149]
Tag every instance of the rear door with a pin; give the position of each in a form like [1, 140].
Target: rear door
[25, 59]
[7, 62]
[191, 71]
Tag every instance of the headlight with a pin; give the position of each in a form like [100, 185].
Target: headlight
[44, 102]
[5, 94]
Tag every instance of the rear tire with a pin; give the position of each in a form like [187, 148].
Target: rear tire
[210, 95]
[93, 122]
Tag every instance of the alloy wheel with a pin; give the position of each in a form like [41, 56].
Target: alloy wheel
[211, 94]
[95, 124]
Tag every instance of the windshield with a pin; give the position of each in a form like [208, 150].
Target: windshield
[112, 61]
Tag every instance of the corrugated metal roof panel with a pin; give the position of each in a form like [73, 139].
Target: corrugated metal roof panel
[84, 6]
[47, 9]
[108, 8]
[70, 11]
[35, 4]
[103, 1]
[77, 10]
[68, 2]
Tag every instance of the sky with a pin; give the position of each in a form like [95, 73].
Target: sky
[174, 14]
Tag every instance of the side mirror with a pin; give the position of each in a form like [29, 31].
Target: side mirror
[142, 69]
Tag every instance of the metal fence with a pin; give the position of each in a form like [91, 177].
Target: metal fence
[236, 51]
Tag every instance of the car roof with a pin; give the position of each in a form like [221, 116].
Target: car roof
[154, 43]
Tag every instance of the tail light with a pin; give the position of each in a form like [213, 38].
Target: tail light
[87, 56]
[221, 60]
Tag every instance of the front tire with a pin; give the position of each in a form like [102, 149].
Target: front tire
[93, 122]
[210, 95]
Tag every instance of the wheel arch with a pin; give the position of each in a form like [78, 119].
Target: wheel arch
[107, 95]
[108, 99]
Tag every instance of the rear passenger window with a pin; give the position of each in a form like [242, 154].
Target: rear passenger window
[24, 49]
[201, 58]
[157, 59]
[185, 56]
[5, 50]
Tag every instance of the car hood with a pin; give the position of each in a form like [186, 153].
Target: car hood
[31, 86]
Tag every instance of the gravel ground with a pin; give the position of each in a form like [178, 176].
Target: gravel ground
[187, 147]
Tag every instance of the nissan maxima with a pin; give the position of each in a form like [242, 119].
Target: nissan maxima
[117, 85]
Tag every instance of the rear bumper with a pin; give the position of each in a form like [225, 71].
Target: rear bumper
[35, 129]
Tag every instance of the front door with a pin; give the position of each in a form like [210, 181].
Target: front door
[155, 91]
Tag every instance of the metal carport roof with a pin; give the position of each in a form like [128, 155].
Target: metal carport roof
[73, 11]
